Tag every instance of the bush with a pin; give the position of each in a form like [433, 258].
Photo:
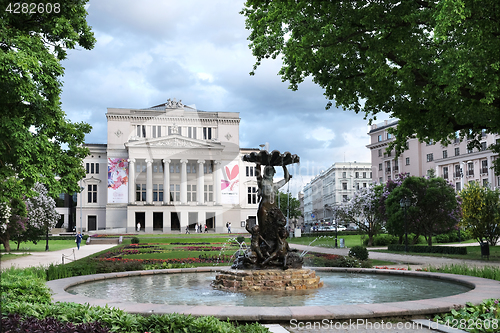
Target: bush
[15, 323]
[346, 262]
[359, 252]
[429, 249]
[240, 239]
[134, 240]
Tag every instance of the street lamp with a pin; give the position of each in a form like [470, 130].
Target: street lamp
[405, 203]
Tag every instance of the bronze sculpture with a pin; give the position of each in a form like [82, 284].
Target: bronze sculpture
[269, 247]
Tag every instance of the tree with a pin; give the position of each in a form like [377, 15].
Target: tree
[37, 142]
[410, 59]
[481, 212]
[12, 220]
[363, 210]
[434, 208]
[289, 205]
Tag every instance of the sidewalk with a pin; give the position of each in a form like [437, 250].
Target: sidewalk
[53, 257]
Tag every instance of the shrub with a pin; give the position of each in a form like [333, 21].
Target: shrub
[134, 240]
[346, 262]
[359, 252]
[429, 249]
[240, 239]
[15, 323]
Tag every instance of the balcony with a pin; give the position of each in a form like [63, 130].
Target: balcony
[387, 170]
[445, 175]
[457, 174]
[484, 171]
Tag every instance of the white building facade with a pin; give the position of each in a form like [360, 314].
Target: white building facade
[454, 162]
[165, 169]
[332, 187]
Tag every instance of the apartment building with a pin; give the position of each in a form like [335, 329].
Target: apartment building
[331, 187]
[454, 162]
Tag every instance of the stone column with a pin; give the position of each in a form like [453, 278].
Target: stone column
[131, 180]
[201, 183]
[166, 182]
[149, 181]
[184, 182]
[217, 188]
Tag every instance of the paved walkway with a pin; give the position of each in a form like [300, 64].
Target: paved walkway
[53, 257]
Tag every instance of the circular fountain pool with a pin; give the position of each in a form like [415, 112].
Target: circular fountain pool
[339, 288]
[355, 304]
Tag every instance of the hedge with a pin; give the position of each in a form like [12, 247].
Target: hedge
[428, 249]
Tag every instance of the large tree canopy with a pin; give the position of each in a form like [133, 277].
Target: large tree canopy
[434, 65]
[37, 142]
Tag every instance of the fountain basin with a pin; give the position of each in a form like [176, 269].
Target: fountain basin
[482, 289]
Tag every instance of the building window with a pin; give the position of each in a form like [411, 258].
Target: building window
[157, 167]
[140, 192]
[364, 174]
[175, 167]
[250, 171]
[470, 169]
[388, 166]
[92, 193]
[357, 186]
[389, 136]
[484, 166]
[156, 131]
[430, 157]
[485, 182]
[252, 195]
[445, 154]
[380, 167]
[457, 151]
[380, 180]
[469, 151]
[92, 167]
[191, 132]
[208, 167]
[344, 174]
[140, 167]
[396, 166]
[209, 193]
[356, 175]
[344, 186]
[141, 131]
[175, 192]
[483, 146]
[445, 172]
[407, 161]
[191, 193]
[379, 138]
[157, 192]
[207, 133]
[344, 198]
[191, 167]
[364, 184]
[457, 186]
[458, 171]
[380, 152]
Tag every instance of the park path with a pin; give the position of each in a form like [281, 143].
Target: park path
[401, 260]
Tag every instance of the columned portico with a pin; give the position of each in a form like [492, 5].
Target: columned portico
[149, 182]
[217, 181]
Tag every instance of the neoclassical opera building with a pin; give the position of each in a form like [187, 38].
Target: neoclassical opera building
[166, 168]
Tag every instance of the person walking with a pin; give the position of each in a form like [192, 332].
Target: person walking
[229, 228]
[187, 229]
[196, 228]
[206, 229]
[79, 238]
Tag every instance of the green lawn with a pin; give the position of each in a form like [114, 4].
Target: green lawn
[473, 253]
[327, 241]
[54, 245]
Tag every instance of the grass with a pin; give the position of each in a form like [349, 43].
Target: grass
[473, 253]
[54, 245]
[327, 241]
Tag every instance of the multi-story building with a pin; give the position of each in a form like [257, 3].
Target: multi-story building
[331, 187]
[454, 162]
[166, 168]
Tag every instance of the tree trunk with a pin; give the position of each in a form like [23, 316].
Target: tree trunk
[6, 244]
[429, 240]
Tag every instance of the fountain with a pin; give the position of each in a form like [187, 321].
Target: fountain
[269, 264]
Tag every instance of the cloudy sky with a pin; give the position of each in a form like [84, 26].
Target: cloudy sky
[197, 51]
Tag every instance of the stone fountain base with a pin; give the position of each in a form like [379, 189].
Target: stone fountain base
[267, 280]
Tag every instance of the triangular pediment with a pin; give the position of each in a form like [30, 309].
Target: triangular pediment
[173, 141]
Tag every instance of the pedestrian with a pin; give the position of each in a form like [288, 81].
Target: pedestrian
[196, 228]
[138, 227]
[206, 229]
[78, 240]
[229, 228]
[187, 229]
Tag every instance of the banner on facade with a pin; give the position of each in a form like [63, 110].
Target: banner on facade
[230, 183]
[117, 180]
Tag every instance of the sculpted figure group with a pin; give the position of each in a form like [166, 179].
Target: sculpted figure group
[268, 247]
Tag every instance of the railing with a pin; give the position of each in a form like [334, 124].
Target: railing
[68, 257]
[470, 172]
[484, 170]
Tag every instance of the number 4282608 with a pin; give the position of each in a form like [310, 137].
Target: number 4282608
[33, 8]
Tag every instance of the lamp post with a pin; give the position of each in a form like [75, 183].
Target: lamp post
[405, 203]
